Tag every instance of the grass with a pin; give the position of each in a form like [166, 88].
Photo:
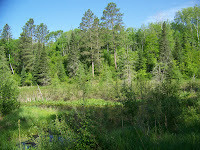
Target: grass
[96, 123]
[73, 103]
[66, 91]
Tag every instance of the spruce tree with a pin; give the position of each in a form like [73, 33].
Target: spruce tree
[27, 51]
[162, 69]
[42, 73]
[165, 55]
[73, 57]
[61, 71]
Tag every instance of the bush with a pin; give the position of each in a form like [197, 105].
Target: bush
[163, 106]
[8, 96]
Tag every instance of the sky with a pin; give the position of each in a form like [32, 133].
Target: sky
[66, 14]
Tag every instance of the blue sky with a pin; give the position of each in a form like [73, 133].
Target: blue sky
[66, 14]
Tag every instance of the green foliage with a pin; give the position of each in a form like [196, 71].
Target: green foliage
[8, 100]
[129, 101]
[29, 79]
[151, 48]
[27, 47]
[165, 50]
[112, 22]
[23, 77]
[82, 80]
[61, 71]
[41, 70]
[73, 58]
[8, 87]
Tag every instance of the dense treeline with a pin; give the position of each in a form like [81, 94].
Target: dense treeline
[105, 44]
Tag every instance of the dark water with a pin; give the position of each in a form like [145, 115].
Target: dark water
[31, 144]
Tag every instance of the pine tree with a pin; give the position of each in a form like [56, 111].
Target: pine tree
[6, 33]
[41, 34]
[73, 57]
[29, 30]
[112, 21]
[97, 43]
[88, 41]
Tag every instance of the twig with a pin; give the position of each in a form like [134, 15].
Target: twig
[11, 66]
[40, 91]
[19, 134]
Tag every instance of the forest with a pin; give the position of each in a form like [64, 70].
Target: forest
[102, 85]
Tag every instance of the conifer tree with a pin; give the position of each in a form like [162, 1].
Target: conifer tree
[6, 33]
[97, 42]
[61, 71]
[41, 34]
[165, 55]
[6, 37]
[27, 51]
[73, 57]
[151, 48]
[88, 44]
[42, 72]
[162, 69]
[112, 22]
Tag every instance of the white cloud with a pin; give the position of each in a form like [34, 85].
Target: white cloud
[167, 14]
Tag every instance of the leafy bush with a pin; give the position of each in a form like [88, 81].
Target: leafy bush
[59, 135]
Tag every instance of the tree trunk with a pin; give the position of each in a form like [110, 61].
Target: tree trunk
[92, 68]
[197, 29]
[11, 66]
[98, 48]
[115, 57]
